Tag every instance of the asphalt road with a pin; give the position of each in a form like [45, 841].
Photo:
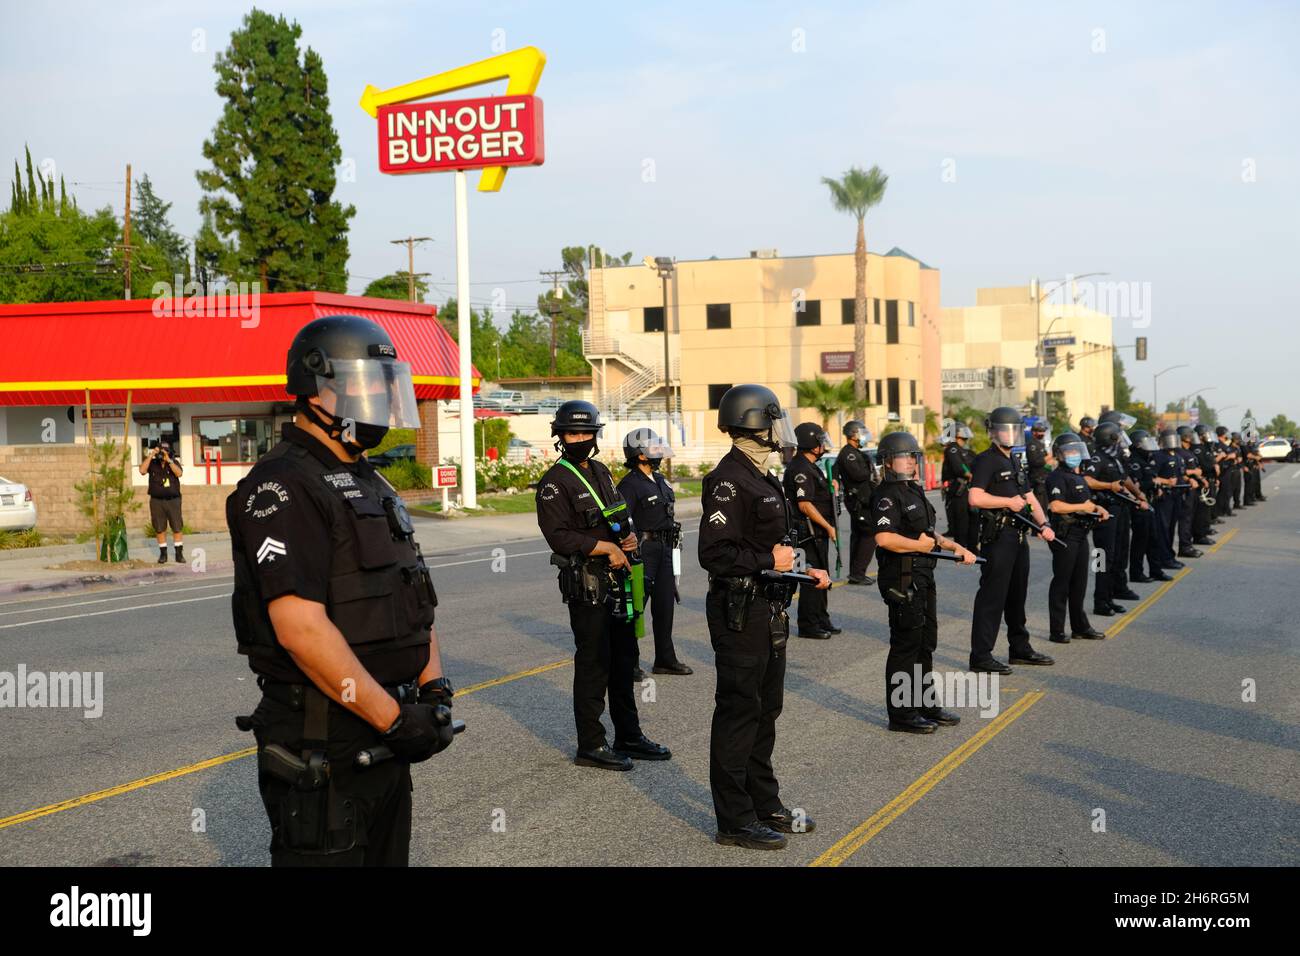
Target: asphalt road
[1148, 727]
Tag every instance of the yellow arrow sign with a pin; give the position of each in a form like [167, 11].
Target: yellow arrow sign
[521, 69]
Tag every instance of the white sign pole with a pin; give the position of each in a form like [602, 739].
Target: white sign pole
[468, 488]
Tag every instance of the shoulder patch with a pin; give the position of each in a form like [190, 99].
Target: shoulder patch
[1056, 491]
[885, 504]
[268, 498]
[548, 491]
[724, 491]
[800, 477]
[883, 521]
[340, 479]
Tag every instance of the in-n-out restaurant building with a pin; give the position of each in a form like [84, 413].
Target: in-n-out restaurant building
[211, 382]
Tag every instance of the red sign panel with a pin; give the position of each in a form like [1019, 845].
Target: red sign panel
[837, 361]
[460, 134]
[446, 477]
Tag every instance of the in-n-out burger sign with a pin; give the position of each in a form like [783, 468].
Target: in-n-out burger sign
[460, 134]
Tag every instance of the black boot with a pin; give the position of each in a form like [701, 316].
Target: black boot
[162, 554]
[179, 553]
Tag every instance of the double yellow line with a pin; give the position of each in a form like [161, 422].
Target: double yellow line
[28, 815]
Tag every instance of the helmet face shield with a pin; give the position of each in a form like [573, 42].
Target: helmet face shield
[1124, 420]
[1148, 443]
[905, 465]
[1125, 443]
[782, 430]
[1067, 451]
[370, 392]
[645, 441]
[1007, 435]
[1170, 441]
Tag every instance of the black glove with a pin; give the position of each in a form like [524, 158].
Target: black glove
[437, 692]
[419, 732]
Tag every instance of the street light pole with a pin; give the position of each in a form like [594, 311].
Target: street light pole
[1155, 401]
[1037, 289]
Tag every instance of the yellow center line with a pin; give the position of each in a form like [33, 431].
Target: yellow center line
[1224, 540]
[28, 815]
[865, 832]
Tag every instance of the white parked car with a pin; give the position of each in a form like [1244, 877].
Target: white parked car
[17, 510]
[1275, 449]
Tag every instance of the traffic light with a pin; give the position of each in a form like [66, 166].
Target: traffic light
[1142, 348]
[1069, 361]
[991, 378]
[1009, 378]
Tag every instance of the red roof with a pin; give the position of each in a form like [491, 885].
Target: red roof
[52, 352]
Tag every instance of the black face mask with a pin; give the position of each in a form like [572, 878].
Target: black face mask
[578, 451]
[367, 436]
[654, 463]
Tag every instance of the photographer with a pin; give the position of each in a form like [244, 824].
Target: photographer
[164, 473]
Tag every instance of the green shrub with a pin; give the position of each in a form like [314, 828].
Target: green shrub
[407, 473]
[31, 538]
[395, 437]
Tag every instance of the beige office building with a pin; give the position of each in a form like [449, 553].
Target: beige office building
[988, 352]
[768, 319]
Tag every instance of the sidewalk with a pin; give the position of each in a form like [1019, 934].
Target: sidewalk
[30, 571]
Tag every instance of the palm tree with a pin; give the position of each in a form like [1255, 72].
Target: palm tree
[826, 398]
[856, 193]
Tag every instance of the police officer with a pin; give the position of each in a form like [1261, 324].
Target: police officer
[650, 501]
[745, 544]
[585, 522]
[1228, 463]
[1104, 476]
[999, 486]
[333, 606]
[958, 460]
[812, 505]
[856, 476]
[1125, 507]
[1086, 425]
[1036, 457]
[1192, 474]
[1148, 528]
[1203, 518]
[1239, 457]
[1169, 476]
[1073, 514]
[905, 537]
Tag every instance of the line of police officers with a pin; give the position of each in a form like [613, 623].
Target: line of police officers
[333, 604]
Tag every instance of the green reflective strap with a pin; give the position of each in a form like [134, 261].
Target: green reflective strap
[583, 478]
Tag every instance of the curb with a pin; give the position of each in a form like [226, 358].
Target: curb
[81, 582]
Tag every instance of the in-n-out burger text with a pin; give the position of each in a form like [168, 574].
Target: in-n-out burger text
[460, 134]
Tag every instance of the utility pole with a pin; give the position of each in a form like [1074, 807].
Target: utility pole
[553, 308]
[410, 242]
[126, 233]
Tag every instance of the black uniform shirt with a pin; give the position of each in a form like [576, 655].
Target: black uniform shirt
[1067, 487]
[1190, 459]
[902, 508]
[1233, 460]
[744, 516]
[805, 481]
[649, 498]
[280, 519]
[854, 471]
[569, 517]
[1169, 464]
[163, 482]
[1140, 470]
[998, 474]
[1104, 467]
[957, 462]
[1036, 456]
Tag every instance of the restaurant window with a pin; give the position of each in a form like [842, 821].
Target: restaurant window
[891, 322]
[718, 316]
[240, 440]
[810, 314]
[715, 394]
[654, 318]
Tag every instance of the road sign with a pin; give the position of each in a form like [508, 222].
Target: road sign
[446, 476]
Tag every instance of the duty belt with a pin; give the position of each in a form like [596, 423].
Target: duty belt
[294, 696]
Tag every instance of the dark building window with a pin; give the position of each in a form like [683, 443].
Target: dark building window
[654, 318]
[715, 394]
[846, 311]
[877, 307]
[893, 395]
[811, 314]
[718, 316]
[912, 386]
[880, 395]
[891, 322]
[911, 315]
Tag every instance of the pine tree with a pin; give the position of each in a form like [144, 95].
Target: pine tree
[273, 153]
[149, 222]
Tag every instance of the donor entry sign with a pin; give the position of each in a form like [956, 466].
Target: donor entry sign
[460, 134]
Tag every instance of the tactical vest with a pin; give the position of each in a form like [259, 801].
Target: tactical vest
[380, 593]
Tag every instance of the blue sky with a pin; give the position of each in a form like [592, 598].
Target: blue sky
[1101, 137]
